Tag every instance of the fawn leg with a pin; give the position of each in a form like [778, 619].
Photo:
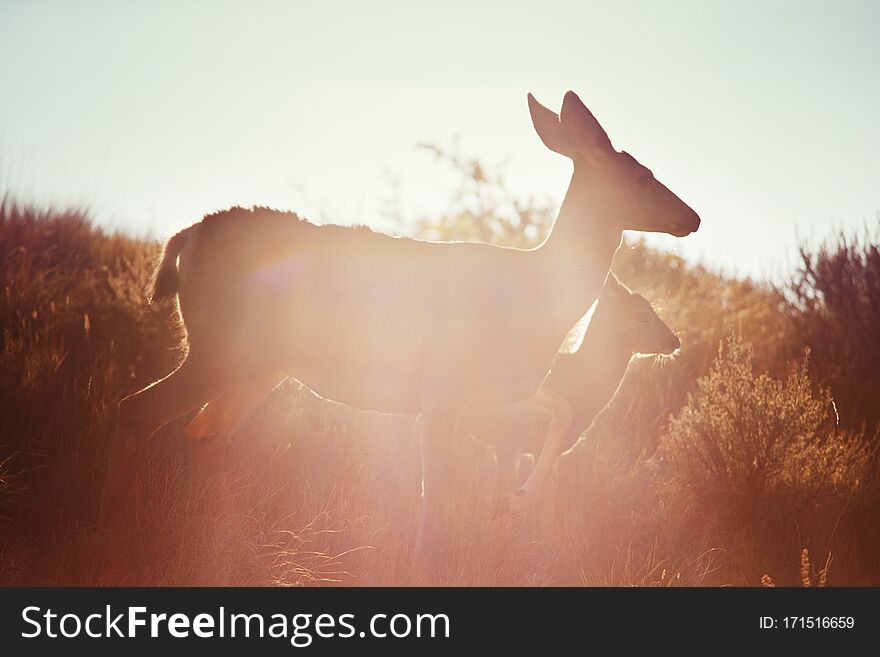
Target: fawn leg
[560, 420]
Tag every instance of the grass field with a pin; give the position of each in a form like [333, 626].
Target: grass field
[751, 455]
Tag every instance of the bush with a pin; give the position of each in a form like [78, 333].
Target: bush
[833, 301]
[483, 208]
[77, 333]
[749, 449]
[310, 492]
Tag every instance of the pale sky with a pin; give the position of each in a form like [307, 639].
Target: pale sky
[762, 115]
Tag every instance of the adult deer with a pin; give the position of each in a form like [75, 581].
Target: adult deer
[578, 387]
[391, 324]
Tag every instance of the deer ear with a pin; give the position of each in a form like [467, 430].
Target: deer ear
[548, 127]
[580, 127]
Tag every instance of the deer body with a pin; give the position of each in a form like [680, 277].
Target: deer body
[380, 323]
[392, 324]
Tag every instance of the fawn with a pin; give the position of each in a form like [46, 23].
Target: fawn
[623, 324]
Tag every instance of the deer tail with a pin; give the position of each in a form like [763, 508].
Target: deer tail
[165, 280]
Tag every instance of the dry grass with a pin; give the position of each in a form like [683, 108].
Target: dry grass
[753, 468]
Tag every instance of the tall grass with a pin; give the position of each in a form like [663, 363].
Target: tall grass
[662, 490]
[832, 302]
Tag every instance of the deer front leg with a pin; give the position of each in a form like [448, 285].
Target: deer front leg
[560, 420]
[432, 543]
[506, 456]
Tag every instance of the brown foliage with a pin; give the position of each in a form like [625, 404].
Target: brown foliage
[752, 469]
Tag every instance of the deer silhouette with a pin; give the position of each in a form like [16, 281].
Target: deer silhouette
[578, 387]
[391, 324]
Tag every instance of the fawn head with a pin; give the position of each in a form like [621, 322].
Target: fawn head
[631, 316]
[626, 192]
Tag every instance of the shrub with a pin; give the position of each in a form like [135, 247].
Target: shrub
[749, 449]
[77, 333]
[313, 492]
[833, 302]
[483, 208]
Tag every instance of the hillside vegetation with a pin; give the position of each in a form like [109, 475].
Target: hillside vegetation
[719, 466]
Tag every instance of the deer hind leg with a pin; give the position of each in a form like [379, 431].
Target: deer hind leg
[143, 413]
[560, 420]
[221, 417]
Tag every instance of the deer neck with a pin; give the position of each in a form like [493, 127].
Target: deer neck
[601, 362]
[604, 345]
[578, 252]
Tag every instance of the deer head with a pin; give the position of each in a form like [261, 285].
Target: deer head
[625, 192]
[631, 316]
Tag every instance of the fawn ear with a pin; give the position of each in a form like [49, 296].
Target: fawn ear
[580, 127]
[549, 128]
